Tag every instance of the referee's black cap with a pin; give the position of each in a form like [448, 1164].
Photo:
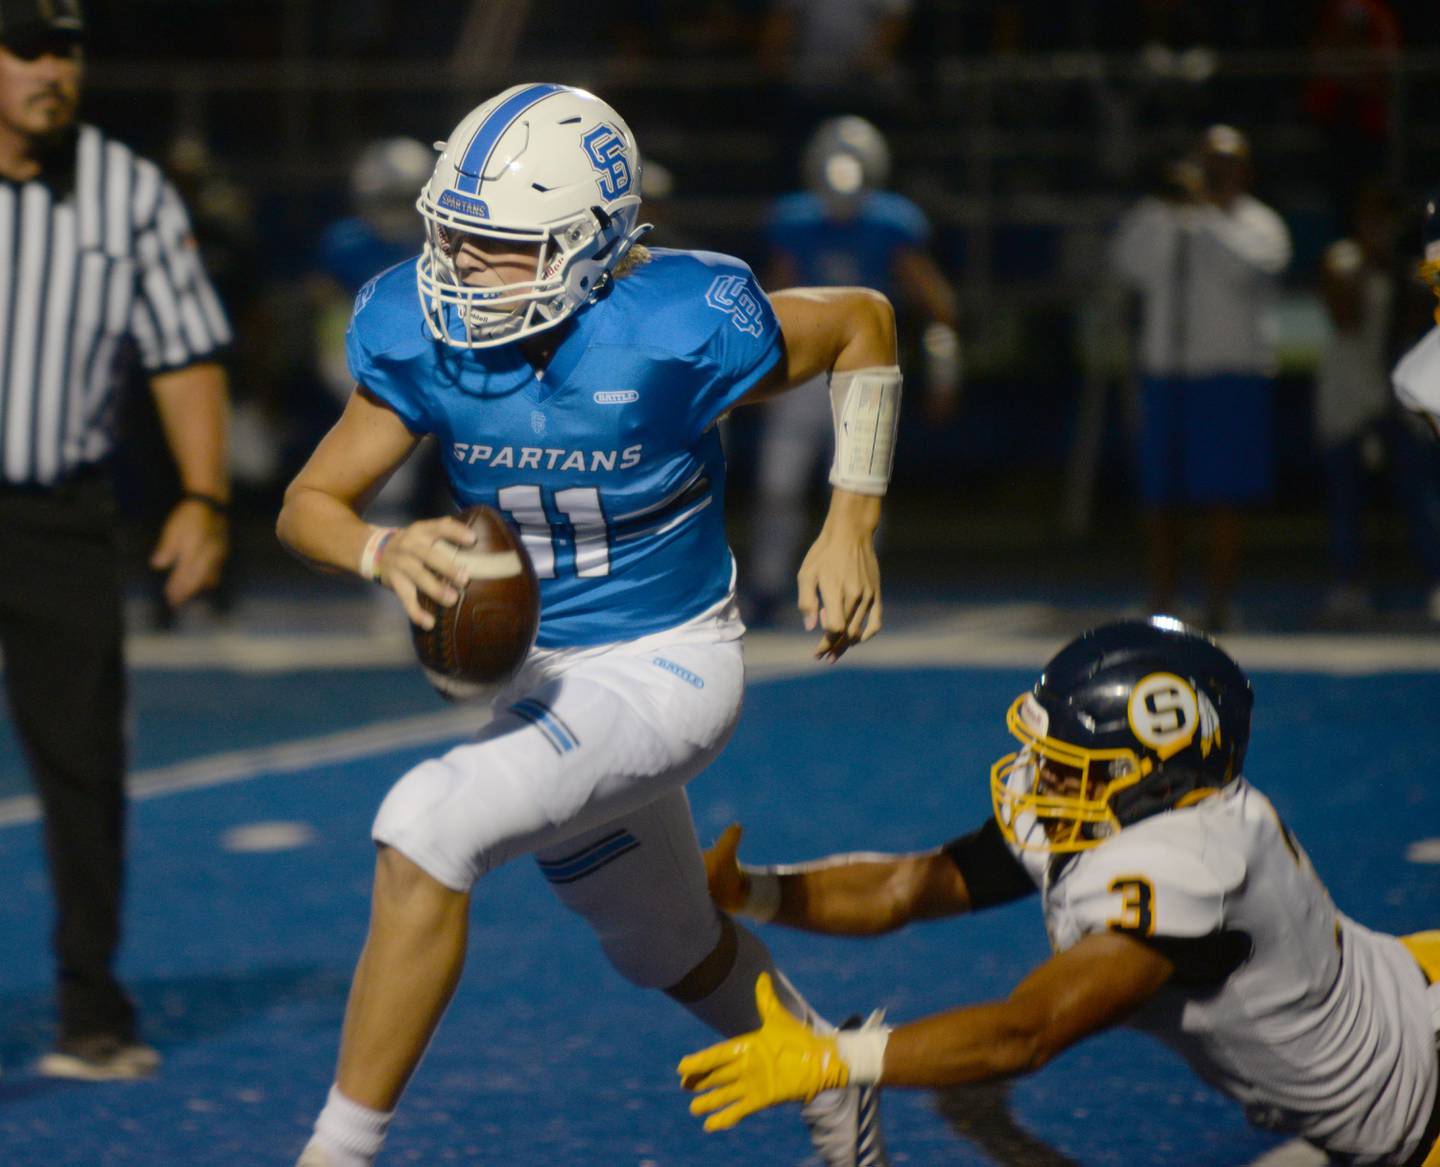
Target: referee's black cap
[29, 26]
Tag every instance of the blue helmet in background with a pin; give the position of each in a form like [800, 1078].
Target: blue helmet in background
[1127, 721]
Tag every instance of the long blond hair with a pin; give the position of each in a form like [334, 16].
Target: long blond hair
[632, 259]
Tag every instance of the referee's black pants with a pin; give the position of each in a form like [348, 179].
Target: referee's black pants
[61, 633]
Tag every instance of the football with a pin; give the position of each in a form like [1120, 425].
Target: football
[479, 641]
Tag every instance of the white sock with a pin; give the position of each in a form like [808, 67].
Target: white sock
[353, 1134]
[730, 1009]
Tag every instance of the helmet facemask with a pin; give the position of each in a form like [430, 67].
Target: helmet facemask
[572, 261]
[1053, 796]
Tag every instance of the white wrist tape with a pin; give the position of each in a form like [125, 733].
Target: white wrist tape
[865, 404]
[864, 1052]
[374, 547]
[764, 899]
[944, 363]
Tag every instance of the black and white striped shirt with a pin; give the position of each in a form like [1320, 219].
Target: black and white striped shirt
[96, 262]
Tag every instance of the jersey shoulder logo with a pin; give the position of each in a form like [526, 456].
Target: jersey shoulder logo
[616, 396]
[363, 296]
[736, 296]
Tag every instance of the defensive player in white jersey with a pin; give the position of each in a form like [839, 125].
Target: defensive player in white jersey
[1175, 900]
[574, 380]
[1417, 375]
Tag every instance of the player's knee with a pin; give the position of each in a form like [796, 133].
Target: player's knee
[402, 884]
[410, 800]
[418, 825]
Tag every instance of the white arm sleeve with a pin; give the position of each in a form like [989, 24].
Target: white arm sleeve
[865, 404]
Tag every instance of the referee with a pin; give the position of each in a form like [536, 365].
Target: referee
[96, 263]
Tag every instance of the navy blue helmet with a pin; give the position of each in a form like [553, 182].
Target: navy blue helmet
[1127, 721]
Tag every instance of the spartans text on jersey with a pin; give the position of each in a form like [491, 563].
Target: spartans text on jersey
[548, 458]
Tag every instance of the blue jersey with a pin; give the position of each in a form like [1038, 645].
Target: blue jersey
[350, 252]
[857, 251]
[609, 463]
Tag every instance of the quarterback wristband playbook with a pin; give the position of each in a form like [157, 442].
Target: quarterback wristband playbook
[374, 548]
[865, 404]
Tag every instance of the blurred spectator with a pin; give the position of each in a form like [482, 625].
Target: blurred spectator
[1203, 255]
[1358, 424]
[843, 230]
[383, 229]
[834, 57]
[1350, 93]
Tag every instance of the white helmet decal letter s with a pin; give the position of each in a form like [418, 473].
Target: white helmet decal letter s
[1164, 713]
[606, 150]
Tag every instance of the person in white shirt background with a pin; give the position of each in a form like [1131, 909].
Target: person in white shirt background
[1203, 256]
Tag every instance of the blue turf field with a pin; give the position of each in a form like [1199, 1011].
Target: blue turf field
[241, 960]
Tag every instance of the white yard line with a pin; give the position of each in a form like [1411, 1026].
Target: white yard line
[1018, 636]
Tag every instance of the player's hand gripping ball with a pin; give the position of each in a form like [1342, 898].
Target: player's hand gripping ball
[479, 641]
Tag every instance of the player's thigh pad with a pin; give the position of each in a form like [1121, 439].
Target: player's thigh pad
[639, 882]
[607, 736]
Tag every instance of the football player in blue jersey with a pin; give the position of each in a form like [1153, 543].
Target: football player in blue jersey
[843, 229]
[574, 379]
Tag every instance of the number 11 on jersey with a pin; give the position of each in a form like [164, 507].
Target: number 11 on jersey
[584, 516]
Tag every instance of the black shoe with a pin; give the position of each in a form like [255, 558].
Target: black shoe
[101, 1057]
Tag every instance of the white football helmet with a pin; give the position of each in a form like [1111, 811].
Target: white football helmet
[845, 159]
[383, 182]
[538, 164]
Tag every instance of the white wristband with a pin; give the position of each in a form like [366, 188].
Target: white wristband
[374, 547]
[764, 899]
[865, 405]
[864, 1052]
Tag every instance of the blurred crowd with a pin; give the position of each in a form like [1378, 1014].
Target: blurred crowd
[1020, 135]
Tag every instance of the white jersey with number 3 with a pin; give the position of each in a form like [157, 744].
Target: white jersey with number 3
[1315, 1024]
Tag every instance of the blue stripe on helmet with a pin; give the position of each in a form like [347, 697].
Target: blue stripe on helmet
[477, 154]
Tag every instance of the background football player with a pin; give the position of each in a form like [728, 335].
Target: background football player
[574, 379]
[843, 229]
[1175, 901]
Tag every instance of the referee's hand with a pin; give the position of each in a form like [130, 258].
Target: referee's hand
[192, 548]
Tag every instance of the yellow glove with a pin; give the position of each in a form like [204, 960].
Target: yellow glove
[782, 1061]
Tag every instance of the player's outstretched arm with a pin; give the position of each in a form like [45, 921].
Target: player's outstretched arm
[849, 334]
[320, 518]
[843, 895]
[1083, 990]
